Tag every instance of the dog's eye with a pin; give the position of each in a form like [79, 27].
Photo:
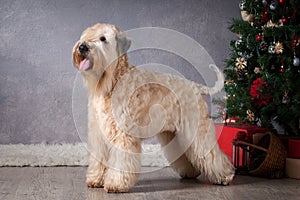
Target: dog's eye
[102, 39]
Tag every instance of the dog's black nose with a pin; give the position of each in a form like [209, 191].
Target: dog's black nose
[83, 48]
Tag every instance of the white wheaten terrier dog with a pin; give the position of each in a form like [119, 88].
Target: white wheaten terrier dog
[127, 104]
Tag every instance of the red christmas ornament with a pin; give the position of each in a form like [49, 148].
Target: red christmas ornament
[265, 16]
[281, 1]
[258, 37]
[284, 20]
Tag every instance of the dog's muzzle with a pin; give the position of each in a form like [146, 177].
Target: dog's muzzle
[83, 50]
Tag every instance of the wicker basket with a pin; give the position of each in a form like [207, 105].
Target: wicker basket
[274, 161]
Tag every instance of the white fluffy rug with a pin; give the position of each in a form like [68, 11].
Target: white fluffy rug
[65, 155]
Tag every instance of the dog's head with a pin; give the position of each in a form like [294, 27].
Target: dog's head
[99, 47]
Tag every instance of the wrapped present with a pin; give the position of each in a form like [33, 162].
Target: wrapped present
[292, 167]
[226, 133]
[294, 148]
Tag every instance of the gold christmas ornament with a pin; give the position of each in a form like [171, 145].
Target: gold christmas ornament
[241, 63]
[298, 42]
[279, 48]
[257, 70]
[250, 115]
[229, 82]
[271, 24]
[247, 17]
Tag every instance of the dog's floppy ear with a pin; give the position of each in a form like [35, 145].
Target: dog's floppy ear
[75, 57]
[123, 43]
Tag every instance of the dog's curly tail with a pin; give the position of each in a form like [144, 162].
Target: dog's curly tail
[218, 85]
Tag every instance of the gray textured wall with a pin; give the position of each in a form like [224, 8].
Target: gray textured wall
[36, 40]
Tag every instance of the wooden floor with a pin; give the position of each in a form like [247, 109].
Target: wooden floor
[68, 183]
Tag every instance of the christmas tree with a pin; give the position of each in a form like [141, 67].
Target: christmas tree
[263, 72]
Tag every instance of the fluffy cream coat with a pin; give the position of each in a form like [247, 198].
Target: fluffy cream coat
[128, 104]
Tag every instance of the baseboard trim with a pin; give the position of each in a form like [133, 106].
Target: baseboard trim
[45, 155]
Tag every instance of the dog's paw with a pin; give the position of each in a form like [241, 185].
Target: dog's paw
[189, 174]
[225, 181]
[114, 189]
[94, 184]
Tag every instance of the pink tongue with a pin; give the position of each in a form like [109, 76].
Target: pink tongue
[84, 65]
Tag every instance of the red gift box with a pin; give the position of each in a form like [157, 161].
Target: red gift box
[226, 133]
[294, 148]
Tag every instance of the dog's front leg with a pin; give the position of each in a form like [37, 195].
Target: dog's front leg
[95, 171]
[124, 163]
[97, 155]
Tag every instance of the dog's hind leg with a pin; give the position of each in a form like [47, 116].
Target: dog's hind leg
[124, 163]
[205, 155]
[180, 165]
